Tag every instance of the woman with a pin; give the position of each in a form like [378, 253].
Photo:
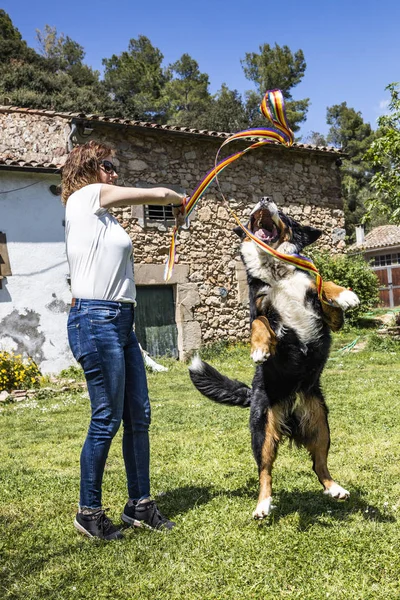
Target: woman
[101, 337]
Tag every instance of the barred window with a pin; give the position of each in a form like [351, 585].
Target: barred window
[158, 214]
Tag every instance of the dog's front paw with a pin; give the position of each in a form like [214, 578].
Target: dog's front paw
[337, 492]
[346, 299]
[260, 355]
[263, 340]
[263, 508]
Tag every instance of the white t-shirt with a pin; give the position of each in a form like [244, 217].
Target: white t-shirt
[99, 251]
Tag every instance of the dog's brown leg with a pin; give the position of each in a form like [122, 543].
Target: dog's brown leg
[265, 456]
[333, 316]
[263, 339]
[335, 300]
[332, 313]
[331, 291]
[314, 428]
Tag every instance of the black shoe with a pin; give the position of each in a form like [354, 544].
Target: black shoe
[97, 525]
[146, 514]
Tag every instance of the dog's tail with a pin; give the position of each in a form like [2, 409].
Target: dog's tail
[217, 387]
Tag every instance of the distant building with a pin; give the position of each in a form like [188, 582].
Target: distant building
[381, 248]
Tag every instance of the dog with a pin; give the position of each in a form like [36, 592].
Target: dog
[290, 342]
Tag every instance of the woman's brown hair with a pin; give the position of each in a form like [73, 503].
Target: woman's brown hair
[82, 167]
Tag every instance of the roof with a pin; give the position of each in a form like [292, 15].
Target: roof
[18, 164]
[116, 121]
[384, 236]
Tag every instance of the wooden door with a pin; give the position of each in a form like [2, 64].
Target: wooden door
[155, 324]
[396, 285]
[389, 290]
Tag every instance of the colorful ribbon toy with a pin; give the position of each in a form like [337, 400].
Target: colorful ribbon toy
[273, 108]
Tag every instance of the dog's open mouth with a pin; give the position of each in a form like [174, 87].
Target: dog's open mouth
[263, 227]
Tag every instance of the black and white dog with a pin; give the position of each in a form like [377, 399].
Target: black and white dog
[290, 341]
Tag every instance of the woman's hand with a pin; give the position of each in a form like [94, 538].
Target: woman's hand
[179, 211]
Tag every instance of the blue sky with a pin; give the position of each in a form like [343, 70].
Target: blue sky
[351, 47]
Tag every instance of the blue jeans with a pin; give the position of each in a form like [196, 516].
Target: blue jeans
[102, 340]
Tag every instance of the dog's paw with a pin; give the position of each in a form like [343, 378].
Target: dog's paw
[346, 299]
[337, 492]
[263, 509]
[259, 355]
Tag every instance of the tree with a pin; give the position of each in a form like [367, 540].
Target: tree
[349, 133]
[384, 154]
[316, 139]
[50, 45]
[275, 68]
[226, 112]
[64, 55]
[136, 79]
[56, 79]
[186, 94]
[12, 46]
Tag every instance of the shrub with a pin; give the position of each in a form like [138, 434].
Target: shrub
[211, 351]
[72, 372]
[383, 343]
[17, 373]
[351, 272]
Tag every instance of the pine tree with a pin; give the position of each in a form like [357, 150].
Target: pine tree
[136, 79]
[349, 133]
[275, 68]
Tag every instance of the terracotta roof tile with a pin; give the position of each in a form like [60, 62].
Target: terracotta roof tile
[7, 161]
[384, 236]
[147, 125]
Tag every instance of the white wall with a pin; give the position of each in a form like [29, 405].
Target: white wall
[34, 301]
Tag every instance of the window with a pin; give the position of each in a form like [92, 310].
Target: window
[155, 216]
[385, 260]
[158, 214]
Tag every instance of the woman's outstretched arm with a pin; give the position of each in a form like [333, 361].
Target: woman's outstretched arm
[111, 195]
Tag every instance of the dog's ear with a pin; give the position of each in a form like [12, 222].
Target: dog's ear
[239, 231]
[310, 234]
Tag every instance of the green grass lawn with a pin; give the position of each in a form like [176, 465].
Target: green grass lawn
[204, 478]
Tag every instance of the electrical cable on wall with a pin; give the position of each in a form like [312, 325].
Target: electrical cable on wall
[21, 188]
[26, 186]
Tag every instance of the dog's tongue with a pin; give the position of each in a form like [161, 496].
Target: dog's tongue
[265, 235]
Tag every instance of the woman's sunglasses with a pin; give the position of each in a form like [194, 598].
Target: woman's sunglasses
[108, 166]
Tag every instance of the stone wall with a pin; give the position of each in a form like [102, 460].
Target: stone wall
[33, 137]
[305, 183]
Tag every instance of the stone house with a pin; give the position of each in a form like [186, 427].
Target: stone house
[206, 300]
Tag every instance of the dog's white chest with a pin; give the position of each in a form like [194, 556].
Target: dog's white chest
[287, 296]
[263, 266]
[287, 292]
